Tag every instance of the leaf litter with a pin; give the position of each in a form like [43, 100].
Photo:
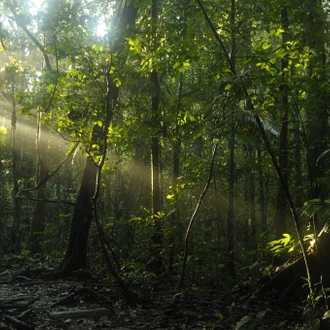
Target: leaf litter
[32, 303]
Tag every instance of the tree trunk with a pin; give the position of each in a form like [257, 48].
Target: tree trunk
[231, 161]
[16, 237]
[252, 200]
[230, 214]
[262, 200]
[298, 173]
[38, 221]
[157, 237]
[281, 207]
[76, 253]
[317, 105]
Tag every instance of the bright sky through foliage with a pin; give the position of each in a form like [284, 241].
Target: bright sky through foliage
[100, 30]
[35, 6]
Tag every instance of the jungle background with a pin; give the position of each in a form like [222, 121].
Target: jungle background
[165, 145]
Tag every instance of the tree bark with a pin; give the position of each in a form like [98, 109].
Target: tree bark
[76, 253]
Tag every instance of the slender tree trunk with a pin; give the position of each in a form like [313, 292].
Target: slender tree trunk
[246, 232]
[38, 221]
[281, 208]
[298, 176]
[176, 145]
[157, 237]
[262, 199]
[16, 203]
[231, 212]
[252, 200]
[231, 161]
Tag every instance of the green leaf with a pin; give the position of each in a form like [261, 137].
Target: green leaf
[326, 315]
[3, 130]
[243, 321]
[266, 46]
[322, 155]
[170, 196]
[261, 314]
[315, 325]
[286, 240]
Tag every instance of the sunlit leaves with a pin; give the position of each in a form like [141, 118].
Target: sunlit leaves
[182, 67]
[283, 245]
[11, 73]
[3, 134]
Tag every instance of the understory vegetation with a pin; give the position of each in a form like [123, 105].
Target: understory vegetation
[169, 145]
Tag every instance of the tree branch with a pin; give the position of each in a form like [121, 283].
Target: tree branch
[18, 20]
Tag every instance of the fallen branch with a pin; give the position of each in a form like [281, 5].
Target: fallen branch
[80, 314]
[19, 325]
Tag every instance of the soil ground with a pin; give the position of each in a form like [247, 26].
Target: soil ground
[32, 303]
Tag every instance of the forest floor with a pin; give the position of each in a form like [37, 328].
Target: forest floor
[32, 303]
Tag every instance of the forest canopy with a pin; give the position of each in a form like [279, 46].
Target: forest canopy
[166, 143]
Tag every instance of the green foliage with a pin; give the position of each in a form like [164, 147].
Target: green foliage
[316, 207]
[250, 322]
[136, 274]
[3, 135]
[285, 245]
[200, 101]
[316, 309]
